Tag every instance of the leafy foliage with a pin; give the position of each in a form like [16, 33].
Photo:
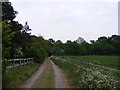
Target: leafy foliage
[8, 13]
[6, 39]
[37, 51]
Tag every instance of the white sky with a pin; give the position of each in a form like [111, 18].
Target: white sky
[68, 19]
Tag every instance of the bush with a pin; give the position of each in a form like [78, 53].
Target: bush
[36, 51]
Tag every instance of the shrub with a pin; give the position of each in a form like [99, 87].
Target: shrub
[36, 51]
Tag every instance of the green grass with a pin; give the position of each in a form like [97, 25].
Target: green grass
[15, 78]
[108, 61]
[91, 77]
[0, 75]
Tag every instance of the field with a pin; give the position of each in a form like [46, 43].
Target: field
[87, 76]
[107, 61]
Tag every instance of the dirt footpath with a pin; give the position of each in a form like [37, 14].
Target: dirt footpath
[30, 82]
[46, 79]
[47, 73]
[60, 81]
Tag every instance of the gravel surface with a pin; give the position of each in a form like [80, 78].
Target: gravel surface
[30, 82]
[60, 81]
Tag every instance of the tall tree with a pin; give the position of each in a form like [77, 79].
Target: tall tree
[21, 37]
[72, 48]
[8, 13]
[51, 41]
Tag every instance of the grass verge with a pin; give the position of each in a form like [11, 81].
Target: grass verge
[15, 78]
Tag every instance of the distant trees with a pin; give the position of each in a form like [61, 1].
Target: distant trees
[102, 46]
[58, 48]
[115, 42]
[54, 48]
[51, 41]
[72, 48]
[107, 46]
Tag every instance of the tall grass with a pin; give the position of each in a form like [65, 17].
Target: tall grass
[15, 78]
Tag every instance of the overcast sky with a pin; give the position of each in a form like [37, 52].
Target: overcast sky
[69, 19]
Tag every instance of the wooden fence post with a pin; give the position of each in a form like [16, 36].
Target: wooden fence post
[27, 60]
[6, 71]
[24, 61]
[32, 60]
[13, 63]
[20, 63]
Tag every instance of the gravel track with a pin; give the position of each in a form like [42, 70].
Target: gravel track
[60, 80]
[31, 81]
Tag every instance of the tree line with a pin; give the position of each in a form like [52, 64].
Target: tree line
[102, 46]
[17, 41]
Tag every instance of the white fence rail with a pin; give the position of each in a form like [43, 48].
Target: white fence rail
[19, 62]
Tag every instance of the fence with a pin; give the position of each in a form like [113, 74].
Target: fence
[19, 62]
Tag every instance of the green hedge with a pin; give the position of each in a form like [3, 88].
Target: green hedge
[37, 51]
